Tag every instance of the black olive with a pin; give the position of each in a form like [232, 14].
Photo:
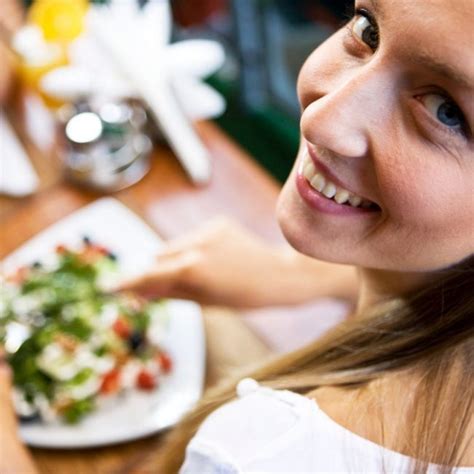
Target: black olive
[25, 411]
[136, 340]
[86, 240]
[36, 265]
[26, 419]
[112, 256]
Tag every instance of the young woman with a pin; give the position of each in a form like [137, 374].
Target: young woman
[383, 182]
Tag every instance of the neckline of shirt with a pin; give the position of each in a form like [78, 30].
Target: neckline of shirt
[301, 402]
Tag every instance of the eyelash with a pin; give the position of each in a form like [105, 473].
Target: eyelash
[369, 15]
[463, 131]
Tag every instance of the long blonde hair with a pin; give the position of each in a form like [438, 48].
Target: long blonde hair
[431, 331]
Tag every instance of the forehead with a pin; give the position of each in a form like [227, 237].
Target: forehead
[441, 29]
[451, 16]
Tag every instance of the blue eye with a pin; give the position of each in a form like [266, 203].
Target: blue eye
[445, 110]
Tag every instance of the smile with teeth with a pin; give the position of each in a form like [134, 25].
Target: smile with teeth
[322, 184]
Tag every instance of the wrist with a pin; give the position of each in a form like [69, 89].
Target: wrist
[289, 279]
[7, 412]
[314, 278]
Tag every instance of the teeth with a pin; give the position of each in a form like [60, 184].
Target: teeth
[318, 182]
[329, 189]
[309, 171]
[355, 200]
[341, 196]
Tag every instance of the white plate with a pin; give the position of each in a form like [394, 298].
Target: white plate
[134, 415]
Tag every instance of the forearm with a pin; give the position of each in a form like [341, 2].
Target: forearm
[306, 279]
[285, 277]
[14, 457]
[224, 264]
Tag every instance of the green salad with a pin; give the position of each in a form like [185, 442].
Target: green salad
[78, 345]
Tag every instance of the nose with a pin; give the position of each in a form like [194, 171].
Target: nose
[349, 115]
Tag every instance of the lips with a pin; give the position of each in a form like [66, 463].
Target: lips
[324, 192]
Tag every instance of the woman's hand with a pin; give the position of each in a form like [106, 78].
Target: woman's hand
[14, 457]
[224, 264]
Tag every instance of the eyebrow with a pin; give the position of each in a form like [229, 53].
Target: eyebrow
[376, 7]
[429, 62]
[375, 4]
[441, 68]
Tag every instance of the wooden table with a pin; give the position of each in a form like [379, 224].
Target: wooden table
[170, 204]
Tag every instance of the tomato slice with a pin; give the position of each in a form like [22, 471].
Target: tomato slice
[165, 362]
[110, 382]
[19, 276]
[146, 380]
[122, 328]
[61, 249]
[101, 250]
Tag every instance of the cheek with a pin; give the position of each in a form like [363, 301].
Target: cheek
[317, 76]
[294, 222]
[428, 201]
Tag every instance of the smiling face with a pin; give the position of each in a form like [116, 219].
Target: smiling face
[387, 131]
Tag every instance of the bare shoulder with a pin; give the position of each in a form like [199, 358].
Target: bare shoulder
[381, 410]
[378, 411]
[357, 411]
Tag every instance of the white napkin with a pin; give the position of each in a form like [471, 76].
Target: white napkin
[139, 55]
[17, 176]
[93, 71]
[125, 52]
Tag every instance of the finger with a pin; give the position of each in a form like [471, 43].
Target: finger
[180, 245]
[193, 239]
[5, 371]
[162, 280]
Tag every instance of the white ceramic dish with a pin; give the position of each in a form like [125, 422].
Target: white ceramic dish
[134, 415]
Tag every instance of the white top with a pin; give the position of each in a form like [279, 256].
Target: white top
[271, 431]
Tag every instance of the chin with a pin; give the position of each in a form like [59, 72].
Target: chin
[298, 229]
[290, 228]
[308, 237]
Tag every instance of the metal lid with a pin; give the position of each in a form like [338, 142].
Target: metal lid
[115, 113]
[84, 128]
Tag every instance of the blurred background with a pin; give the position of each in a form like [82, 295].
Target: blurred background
[265, 43]
[150, 102]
